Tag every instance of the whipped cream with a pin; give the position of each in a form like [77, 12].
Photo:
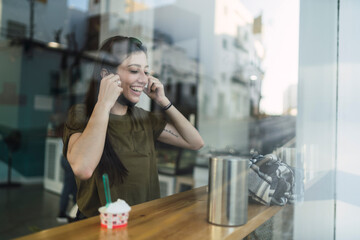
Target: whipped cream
[120, 206]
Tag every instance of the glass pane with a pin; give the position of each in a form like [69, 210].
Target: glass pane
[231, 67]
[316, 130]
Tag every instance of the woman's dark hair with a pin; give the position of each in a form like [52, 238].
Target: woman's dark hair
[111, 54]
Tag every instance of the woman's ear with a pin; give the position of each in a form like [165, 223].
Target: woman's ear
[104, 72]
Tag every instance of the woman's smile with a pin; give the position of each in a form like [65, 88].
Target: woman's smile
[133, 74]
[137, 90]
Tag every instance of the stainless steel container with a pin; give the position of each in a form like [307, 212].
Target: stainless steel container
[228, 190]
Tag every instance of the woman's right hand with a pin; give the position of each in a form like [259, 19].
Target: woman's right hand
[85, 149]
[110, 90]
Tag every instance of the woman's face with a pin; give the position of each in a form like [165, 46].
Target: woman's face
[134, 72]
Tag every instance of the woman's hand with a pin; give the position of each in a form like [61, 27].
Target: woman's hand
[110, 90]
[85, 149]
[155, 91]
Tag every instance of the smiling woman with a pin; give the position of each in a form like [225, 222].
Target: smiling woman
[109, 134]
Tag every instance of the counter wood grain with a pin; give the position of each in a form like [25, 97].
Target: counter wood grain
[180, 216]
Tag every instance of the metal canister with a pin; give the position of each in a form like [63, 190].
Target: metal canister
[228, 190]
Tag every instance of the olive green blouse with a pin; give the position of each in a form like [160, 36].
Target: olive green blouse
[132, 137]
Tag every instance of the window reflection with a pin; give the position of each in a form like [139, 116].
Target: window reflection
[213, 66]
[216, 62]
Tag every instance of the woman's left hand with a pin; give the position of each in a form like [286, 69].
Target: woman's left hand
[155, 91]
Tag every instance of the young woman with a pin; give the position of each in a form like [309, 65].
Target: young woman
[108, 134]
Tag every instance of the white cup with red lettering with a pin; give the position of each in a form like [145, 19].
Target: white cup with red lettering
[115, 215]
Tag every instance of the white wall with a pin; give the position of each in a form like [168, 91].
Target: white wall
[348, 164]
[316, 122]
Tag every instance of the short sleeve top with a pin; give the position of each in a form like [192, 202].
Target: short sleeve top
[133, 137]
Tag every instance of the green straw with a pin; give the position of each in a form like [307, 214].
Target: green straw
[107, 189]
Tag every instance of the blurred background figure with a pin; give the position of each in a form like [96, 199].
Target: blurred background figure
[69, 188]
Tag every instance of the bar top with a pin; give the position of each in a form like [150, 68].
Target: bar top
[179, 216]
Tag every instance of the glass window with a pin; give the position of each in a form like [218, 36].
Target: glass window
[231, 67]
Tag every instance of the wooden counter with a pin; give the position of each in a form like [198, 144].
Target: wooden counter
[180, 216]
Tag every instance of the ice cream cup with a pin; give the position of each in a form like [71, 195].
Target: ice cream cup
[117, 217]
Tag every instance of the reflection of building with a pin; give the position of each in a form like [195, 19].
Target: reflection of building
[127, 18]
[178, 72]
[231, 55]
[170, 60]
[230, 52]
[20, 19]
[176, 56]
[173, 64]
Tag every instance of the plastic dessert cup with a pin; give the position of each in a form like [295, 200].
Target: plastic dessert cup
[114, 216]
[112, 220]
